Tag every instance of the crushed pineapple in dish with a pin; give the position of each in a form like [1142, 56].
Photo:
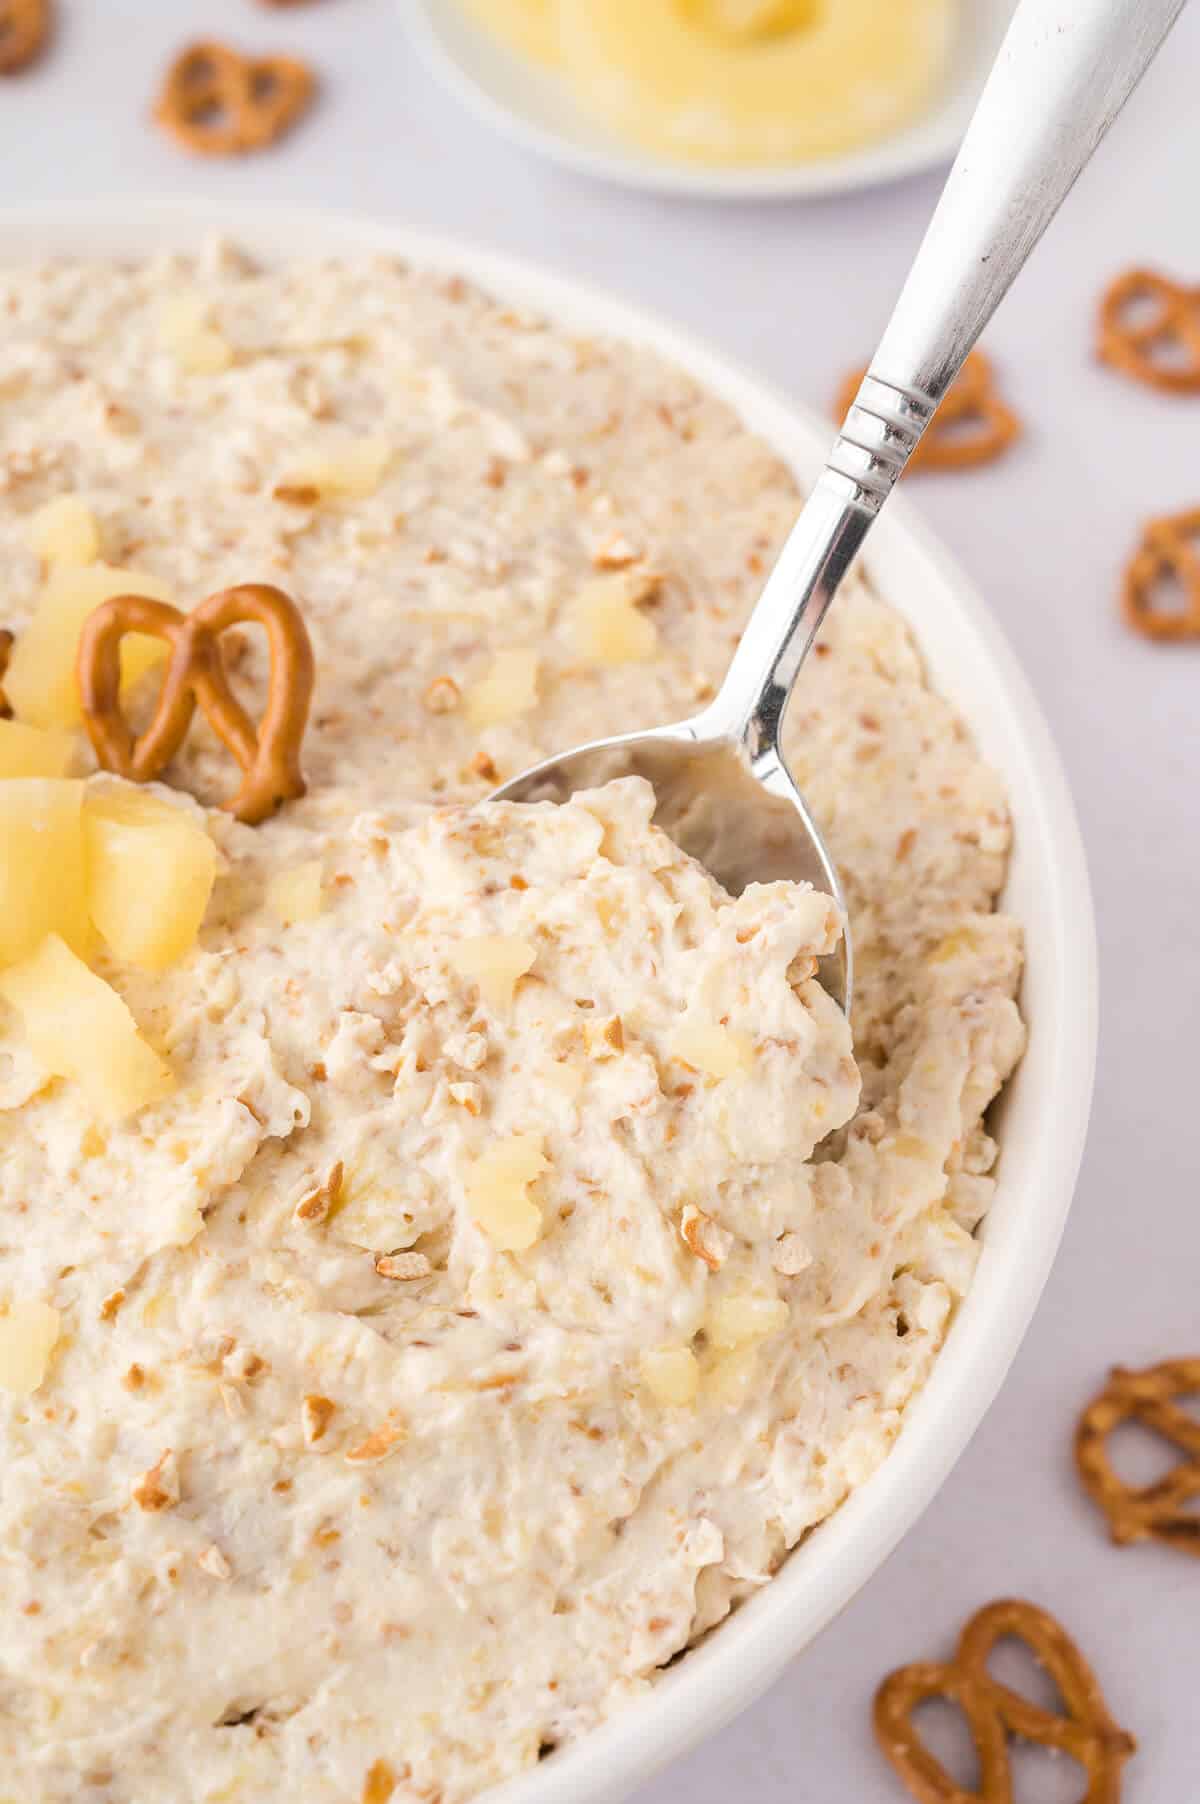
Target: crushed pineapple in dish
[448, 1255]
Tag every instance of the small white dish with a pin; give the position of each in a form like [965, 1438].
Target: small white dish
[1044, 1110]
[535, 109]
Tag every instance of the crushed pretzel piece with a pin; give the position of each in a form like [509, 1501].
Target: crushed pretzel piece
[704, 1237]
[391, 1433]
[316, 1413]
[158, 1488]
[403, 1266]
[442, 696]
[314, 1206]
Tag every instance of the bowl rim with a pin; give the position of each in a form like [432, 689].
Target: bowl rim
[1039, 1164]
[439, 28]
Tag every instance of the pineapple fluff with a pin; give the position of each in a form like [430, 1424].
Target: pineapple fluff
[429, 1230]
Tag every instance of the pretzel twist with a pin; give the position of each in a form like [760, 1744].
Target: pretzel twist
[1169, 548]
[269, 755]
[1150, 328]
[1154, 1512]
[994, 1712]
[24, 30]
[219, 103]
[973, 425]
[6, 645]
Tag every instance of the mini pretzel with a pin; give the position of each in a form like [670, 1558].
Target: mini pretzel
[1162, 348]
[6, 645]
[220, 103]
[269, 757]
[24, 29]
[1156, 1512]
[1170, 547]
[972, 425]
[994, 1713]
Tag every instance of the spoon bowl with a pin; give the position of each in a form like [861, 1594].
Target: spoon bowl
[741, 817]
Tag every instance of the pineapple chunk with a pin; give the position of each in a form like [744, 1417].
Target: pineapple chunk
[509, 689]
[743, 1316]
[40, 681]
[185, 328]
[351, 468]
[606, 623]
[150, 873]
[295, 895]
[43, 887]
[707, 1046]
[671, 1375]
[64, 531]
[498, 1191]
[28, 1335]
[78, 1027]
[28, 752]
[495, 961]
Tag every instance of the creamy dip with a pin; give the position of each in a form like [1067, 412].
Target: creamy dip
[527, 1255]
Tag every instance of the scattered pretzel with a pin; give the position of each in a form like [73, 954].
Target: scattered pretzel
[994, 1713]
[219, 103]
[24, 31]
[269, 757]
[1170, 548]
[972, 425]
[6, 645]
[1161, 348]
[1156, 1512]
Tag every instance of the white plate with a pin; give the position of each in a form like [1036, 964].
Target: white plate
[1045, 1109]
[531, 106]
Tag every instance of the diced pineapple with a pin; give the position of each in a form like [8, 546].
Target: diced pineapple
[185, 328]
[671, 1375]
[606, 621]
[43, 873]
[295, 895]
[28, 1335]
[495, 961]
[79, 1028]
[29, 752]
[40, 681]
[150, 873]
[707, 1046]
[497, 1187]
[350, 468]
[508, 690]
[746, 1316]
[64, 531]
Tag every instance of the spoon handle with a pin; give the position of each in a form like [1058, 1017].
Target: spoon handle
[1063, 74]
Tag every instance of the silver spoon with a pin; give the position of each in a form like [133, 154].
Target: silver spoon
[1063, 74]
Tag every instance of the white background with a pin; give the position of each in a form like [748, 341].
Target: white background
[801, 290]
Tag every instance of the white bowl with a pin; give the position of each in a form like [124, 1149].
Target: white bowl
[534, 108]
[1044, 1109]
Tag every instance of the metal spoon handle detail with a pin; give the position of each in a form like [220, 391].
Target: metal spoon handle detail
[1063, 74]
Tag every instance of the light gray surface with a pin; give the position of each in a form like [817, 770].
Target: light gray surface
[800, 291]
